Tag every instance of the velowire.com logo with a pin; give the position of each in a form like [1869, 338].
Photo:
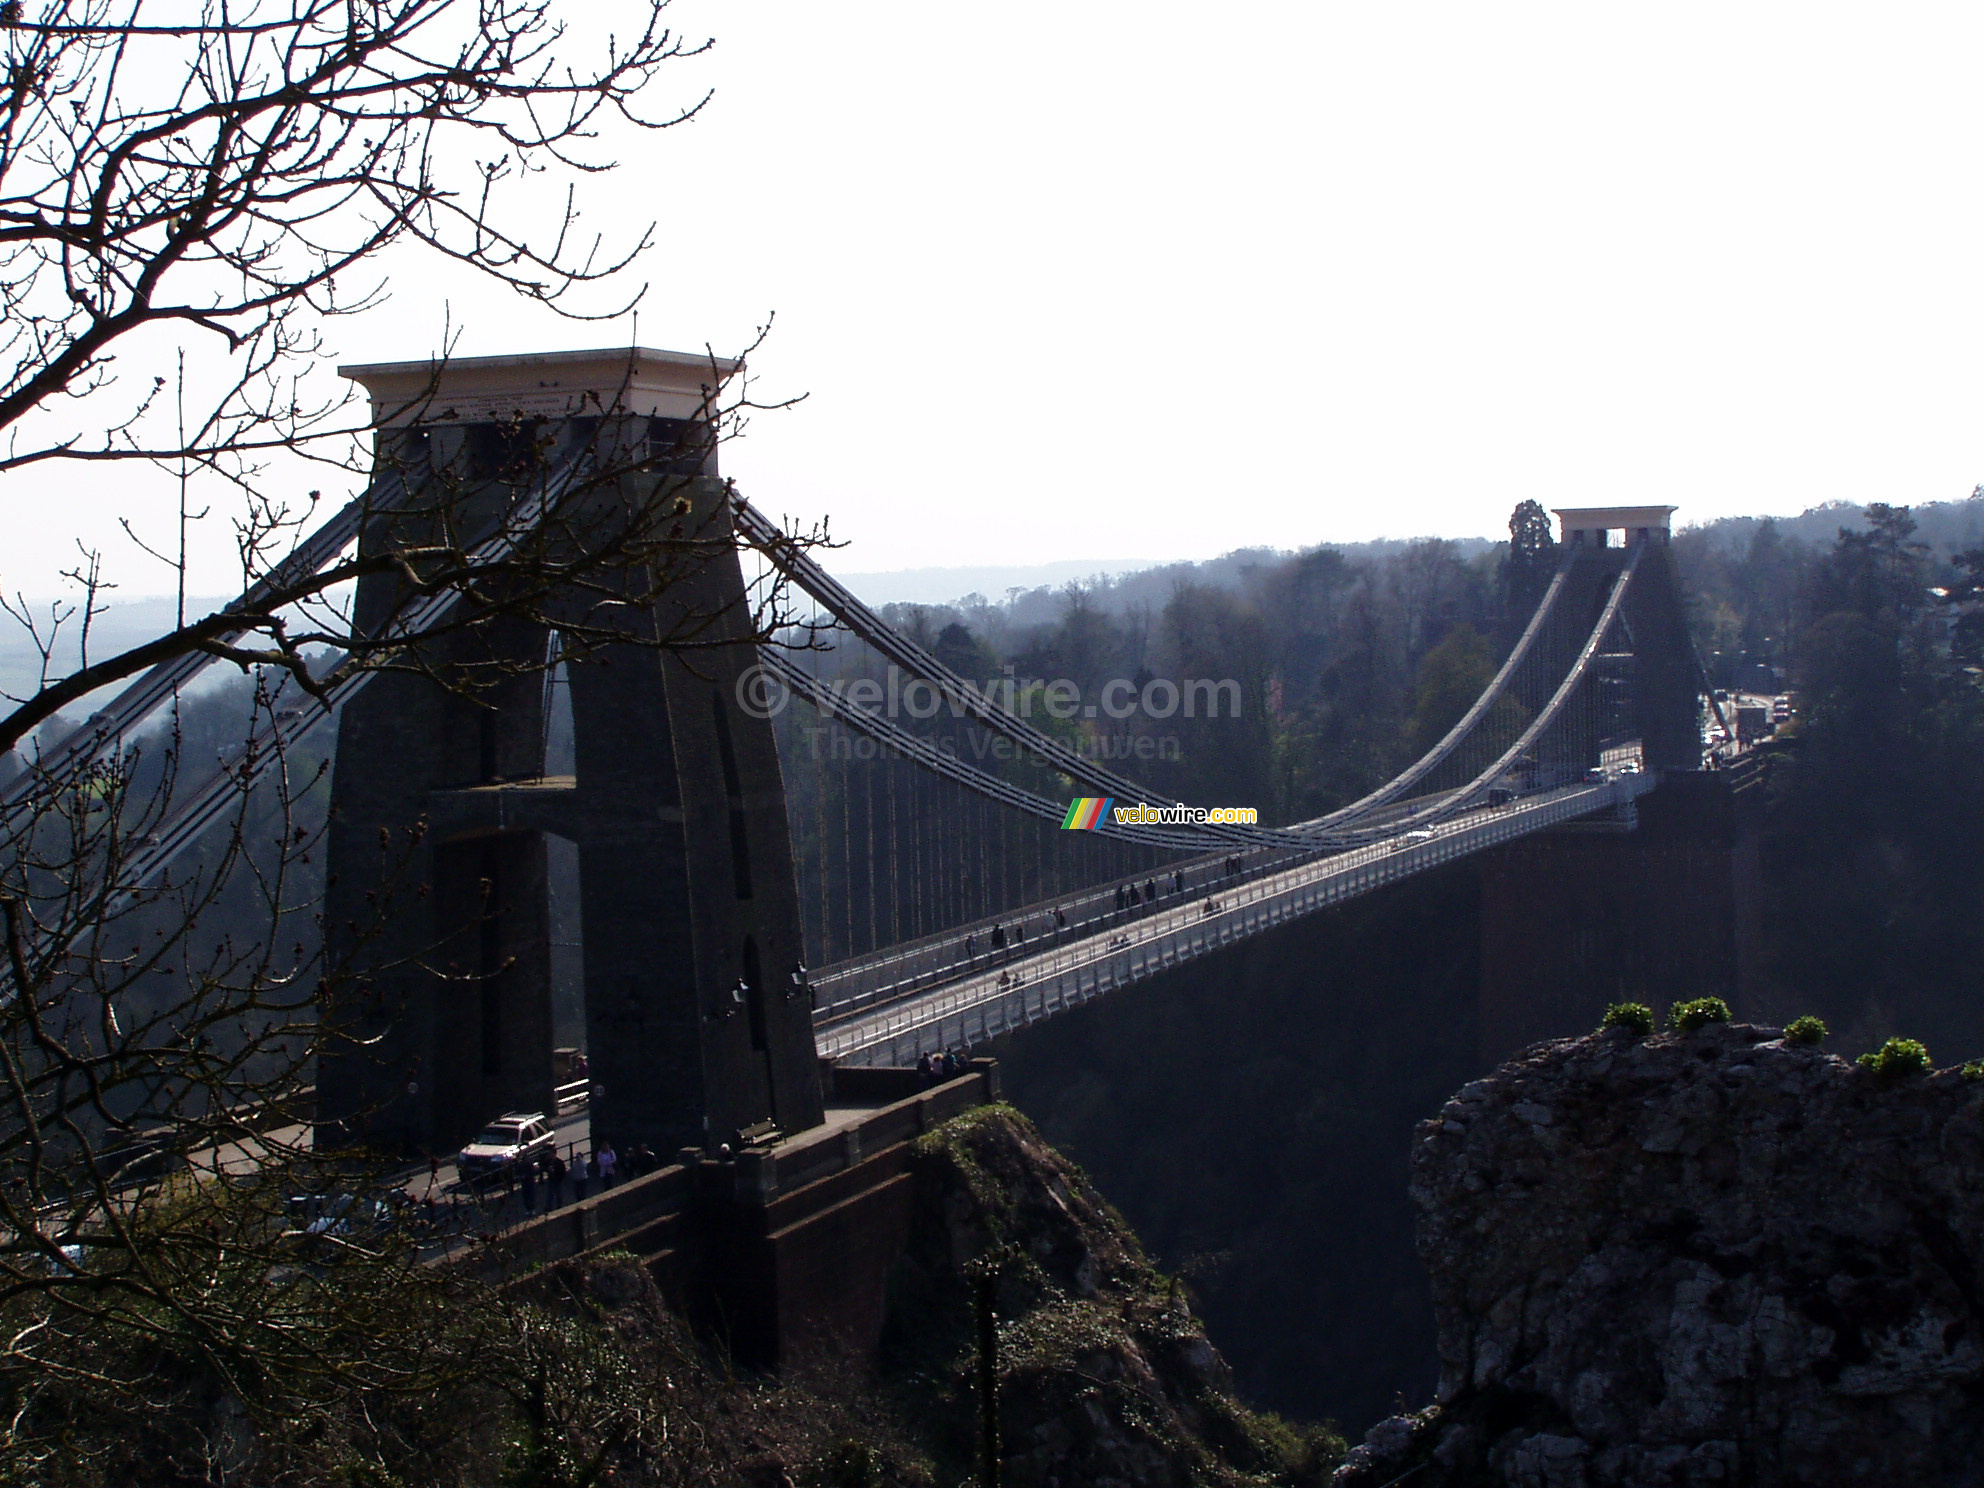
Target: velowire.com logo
[1087, 813]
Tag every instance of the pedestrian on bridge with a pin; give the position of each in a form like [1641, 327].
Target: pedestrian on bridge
[970, 947]
[1150, 891]
[998, 937]
[554, 1179]
[1060, 918]
[925, 1071]
[609, 1166]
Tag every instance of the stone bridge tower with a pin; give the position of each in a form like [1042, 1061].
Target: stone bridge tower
[1598, 541]
[1592, 913]
[697, 1024]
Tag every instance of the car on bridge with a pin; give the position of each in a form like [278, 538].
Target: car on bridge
[322, 1227]
[504, 1145]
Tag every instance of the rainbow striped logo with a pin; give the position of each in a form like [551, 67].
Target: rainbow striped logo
[1086, 813]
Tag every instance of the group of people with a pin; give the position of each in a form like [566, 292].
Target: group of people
[934, 1069]
[542, 1178]
[1130, 896]
[1001, 938]
[602, 1166]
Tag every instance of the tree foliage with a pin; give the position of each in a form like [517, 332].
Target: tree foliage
[1532, 558]
[1869, 865]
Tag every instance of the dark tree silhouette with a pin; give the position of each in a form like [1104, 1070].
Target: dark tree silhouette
[1531, 560]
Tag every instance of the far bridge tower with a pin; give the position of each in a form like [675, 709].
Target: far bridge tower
[1591, 913]
[1599, 541]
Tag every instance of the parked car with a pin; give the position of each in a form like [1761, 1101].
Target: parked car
[503, 1144]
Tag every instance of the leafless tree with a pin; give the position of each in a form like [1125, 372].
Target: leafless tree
[232, 172]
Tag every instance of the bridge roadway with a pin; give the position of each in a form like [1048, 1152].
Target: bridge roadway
[999, 995]
[933, 960]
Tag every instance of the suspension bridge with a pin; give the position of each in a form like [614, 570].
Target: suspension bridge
[712, 987]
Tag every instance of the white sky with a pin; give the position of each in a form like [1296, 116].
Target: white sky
[1093, 278]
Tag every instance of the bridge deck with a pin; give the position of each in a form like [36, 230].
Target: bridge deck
[979, 1006]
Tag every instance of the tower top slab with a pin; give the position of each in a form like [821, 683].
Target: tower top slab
[1636, 521]
[635, 380]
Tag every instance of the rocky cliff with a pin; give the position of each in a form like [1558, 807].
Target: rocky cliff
[1694, 1258]
[1105, 1375]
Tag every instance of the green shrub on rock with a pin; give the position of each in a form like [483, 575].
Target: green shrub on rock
[850, 1464]
[1699, 1013]
[1897, 1057]
[1636, 1017]
[1806, 1030]
[1973, 1070]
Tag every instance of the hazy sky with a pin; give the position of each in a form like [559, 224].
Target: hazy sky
[1103, 279]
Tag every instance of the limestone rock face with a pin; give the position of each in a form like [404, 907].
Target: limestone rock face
[1106, 1379]
[1698, 1258]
